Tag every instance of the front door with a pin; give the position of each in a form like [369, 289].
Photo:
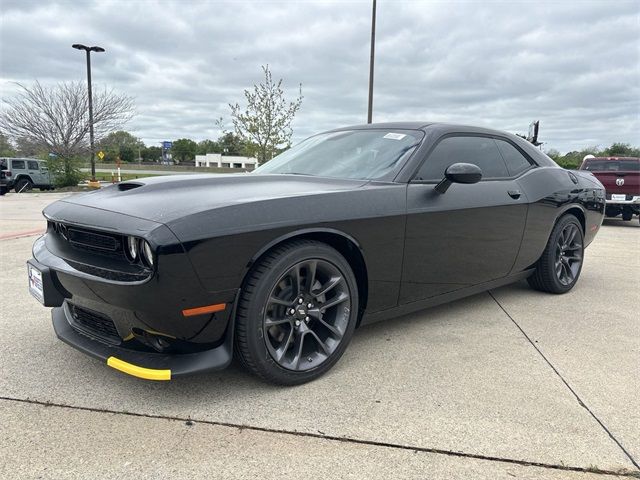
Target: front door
[469, 235]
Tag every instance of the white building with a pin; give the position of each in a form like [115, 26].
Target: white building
[217, 160]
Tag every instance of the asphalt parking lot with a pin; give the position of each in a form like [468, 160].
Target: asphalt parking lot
[508, 384]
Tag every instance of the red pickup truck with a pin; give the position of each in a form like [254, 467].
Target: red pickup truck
[621, 179]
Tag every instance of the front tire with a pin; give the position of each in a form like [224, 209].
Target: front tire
[297, 312]
[559, 267]
[23, 185]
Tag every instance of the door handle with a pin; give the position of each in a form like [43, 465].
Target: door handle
[515, 194]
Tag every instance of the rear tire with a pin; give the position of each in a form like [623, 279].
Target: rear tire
[3, 190]
[559, 267]
[297, 313]
[627, 215]
[23, 185]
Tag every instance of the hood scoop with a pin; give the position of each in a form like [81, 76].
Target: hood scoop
[128, 186]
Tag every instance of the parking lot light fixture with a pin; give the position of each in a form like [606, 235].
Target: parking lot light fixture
[79, 46]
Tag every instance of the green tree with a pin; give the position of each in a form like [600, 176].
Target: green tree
[572, 160]
[28, 148]
[127, 153]
[6, 148]
[232, 144]
[266, 119]
[622, 150]
[65, 171]
[151, 154]
[184, 150]
[120, 144]
[208, 146]
[553, 153]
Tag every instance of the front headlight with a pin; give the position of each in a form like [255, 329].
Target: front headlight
[132, 248]
[147, 253]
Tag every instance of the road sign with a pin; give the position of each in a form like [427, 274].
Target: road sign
[100, 154]
[167, 145]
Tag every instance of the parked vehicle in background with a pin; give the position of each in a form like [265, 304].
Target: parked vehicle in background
[621, 178]
[3, 183]
[23, 174]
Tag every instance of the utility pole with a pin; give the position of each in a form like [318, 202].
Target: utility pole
[373, 50]
[79, 46]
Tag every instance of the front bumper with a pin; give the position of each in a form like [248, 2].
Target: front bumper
[135, 314]
[147, 365]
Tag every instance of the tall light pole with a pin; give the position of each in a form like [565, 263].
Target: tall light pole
[79, 46]
[373, 51]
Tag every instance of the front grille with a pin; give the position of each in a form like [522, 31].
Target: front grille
[94, 325]
[95, 252]
[86, 238]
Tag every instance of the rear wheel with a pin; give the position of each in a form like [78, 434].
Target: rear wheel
[23, 185]
[559, 267]
[627, 215]
[297, 313]
[3, 190]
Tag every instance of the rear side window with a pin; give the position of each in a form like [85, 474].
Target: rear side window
[481, 151]
[33, 165]
[516, 161]
[17, 164]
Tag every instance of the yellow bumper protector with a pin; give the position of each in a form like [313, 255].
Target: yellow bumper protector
[136, 371]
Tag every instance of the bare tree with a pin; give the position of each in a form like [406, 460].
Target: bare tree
[57, 117]
[266, 120]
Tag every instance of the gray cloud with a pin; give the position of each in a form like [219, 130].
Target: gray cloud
[573, 65]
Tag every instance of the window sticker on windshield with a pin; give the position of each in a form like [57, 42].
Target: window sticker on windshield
[395, 136]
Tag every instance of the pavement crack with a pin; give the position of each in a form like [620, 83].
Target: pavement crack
[355, 441]
[575, 394]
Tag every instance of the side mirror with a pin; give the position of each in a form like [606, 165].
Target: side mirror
[459, 173]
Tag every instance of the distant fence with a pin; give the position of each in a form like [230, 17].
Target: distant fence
[166, 168]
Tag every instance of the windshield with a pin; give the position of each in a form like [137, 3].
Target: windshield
[357, 154]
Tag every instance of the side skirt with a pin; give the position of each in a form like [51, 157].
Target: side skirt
[444, 298]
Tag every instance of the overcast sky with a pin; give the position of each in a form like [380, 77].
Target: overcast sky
[574, 65]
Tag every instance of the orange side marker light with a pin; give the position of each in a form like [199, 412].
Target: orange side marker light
[191, 312]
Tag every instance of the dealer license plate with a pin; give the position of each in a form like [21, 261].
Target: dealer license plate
[35, 283]
[618, 198]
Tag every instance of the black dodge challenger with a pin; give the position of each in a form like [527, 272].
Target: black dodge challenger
[169, 276]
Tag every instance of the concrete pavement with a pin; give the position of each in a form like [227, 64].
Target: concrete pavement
[509, 384]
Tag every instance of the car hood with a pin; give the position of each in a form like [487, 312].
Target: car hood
[166, 198]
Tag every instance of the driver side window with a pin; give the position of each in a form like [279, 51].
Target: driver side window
[481, 151]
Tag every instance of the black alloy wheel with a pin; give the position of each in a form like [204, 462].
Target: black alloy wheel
[559, 266]
[297, 312]
[305, 319]
[569, 254]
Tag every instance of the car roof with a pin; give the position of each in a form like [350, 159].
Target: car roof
[385, 125]
[441, 128]
[613, 159]
[22, 158]
[424, 125]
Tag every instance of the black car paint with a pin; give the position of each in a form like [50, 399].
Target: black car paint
[410, 246]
